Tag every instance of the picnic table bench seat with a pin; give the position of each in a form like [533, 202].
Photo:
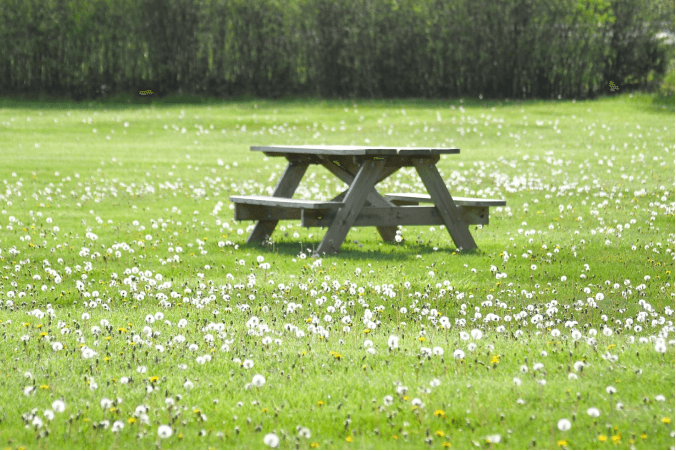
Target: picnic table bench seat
[412, 198]
[271, 208]
[285, 202]
[316, 213]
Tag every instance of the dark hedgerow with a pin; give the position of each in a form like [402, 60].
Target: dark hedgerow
[351, 48]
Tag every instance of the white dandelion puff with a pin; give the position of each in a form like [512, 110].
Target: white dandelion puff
[564, 424]
[164, 431]
[271, 440]
[258, 380]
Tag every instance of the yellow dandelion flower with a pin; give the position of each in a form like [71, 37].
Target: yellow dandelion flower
[44, 387]
[348, 439]
[616, 439]
[421, 338]
[562, 442]
[602, 438]
[440, 433]
[644, 436]
[154, 379]
[666, 420]
[314, 445]
[131, 420]
[320, 403]
[446, 445]
[439, 413]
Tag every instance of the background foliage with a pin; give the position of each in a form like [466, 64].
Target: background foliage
[362, 48]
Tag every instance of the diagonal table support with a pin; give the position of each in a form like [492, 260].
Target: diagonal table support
[286, 186]
[354, 200]
[388, 233]
[448, 211]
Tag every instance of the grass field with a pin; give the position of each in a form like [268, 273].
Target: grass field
[133, 314]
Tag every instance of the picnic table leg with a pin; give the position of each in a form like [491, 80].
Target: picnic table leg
[388, 233]
[354, 200]
[286, 186]
[448, 211]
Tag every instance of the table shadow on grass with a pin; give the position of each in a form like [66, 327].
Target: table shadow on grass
[388, 251]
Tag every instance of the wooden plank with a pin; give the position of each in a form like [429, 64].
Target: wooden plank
[404, 202]
[374, 198]
[285, 187]
[395, 161]
[368, 217]
[355, 150]
[354, 200]
[271, 201]
[245, 212]
[468, 201]
[395, 216]
[402, 161]
[341, 169]
[443, 201]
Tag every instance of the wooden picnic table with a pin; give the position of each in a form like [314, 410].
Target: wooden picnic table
[361, 168]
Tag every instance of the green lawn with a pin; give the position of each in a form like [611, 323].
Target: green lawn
[118, 245]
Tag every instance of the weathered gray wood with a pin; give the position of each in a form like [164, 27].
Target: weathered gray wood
[339, 197]
[341, 169]
[345, 168]
[271, 201]
[368, 217]
[464, 201]
[443, 201]
[354, 200]
[244, 212]
[356, 150]
[392, 165]
[396, 161]
[394, 216]
[286, 186]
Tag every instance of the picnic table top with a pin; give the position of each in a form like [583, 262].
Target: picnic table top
[355, 150]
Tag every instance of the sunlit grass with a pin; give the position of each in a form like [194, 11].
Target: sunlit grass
[117, 212]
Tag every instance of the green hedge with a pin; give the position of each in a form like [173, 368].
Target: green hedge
[329, 48]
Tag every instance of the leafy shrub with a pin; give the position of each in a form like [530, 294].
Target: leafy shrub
[364, 48]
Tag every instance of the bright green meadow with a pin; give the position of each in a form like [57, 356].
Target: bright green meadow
[134, 315]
